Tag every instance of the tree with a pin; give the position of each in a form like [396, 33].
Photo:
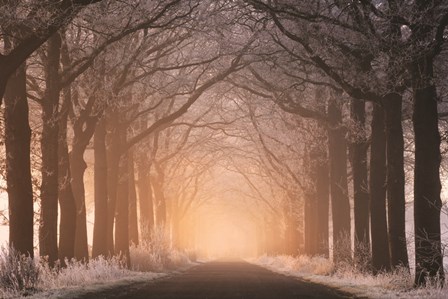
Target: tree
[99, 246]
[359, 148]
[427, 202]
[133, 220]
[31, 38]
[377, 190]
[340, 205]
[395, 180]
[21, 40]
[202, 83]
[85, 114]
[18, 164]
[348, 65]
[67, 224]
[48, 243]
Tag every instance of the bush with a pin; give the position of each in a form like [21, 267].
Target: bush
[76, 273]
[144, 258]
[19, 274]
[156, 254]
[160, 244]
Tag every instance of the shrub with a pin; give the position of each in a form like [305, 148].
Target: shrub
[144, 258]
[156, 254]
[19, 274]
[80, 273]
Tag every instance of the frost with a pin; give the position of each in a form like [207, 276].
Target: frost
[398, 284]
[21, 276]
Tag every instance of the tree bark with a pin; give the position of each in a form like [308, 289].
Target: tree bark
[291, 233]
[67, 225]
[323, 203]
[99, 246]
[78, 167]
[395, 181]
[340, 204]
[122, 206]
[317, 204]
[360, 184]
[395, 150]
[18, 164]
[83, 129]
[427, 186]
[113, 154]
[48, 242]
[311, 203]
[322, 179]
[311, 230]
[133, 221]
[377, 186]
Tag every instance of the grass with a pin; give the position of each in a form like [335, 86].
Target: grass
[397, 284]
[22, 276]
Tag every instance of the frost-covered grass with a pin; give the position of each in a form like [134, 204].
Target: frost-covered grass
[156, 254]
[347, 278]
[17, 273]
[78, 273]
[23, 276]
[146, 258]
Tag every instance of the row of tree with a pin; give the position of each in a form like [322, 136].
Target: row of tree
[381, 52]
[121, 71]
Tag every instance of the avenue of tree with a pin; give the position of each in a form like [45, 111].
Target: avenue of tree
[317, 107]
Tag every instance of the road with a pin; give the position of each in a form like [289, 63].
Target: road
[223, 280]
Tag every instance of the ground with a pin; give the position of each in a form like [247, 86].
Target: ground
[222, 280]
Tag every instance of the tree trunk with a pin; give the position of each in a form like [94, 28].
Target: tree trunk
[378, 215]
[322, 179]
[18, 165]
[427, 187]
[317, 204]
[311, 222]
[340, 204]
[311, 203]
[291, 233]
[395, 181]
[122, 206]
[48, 242]
[99, 246]
[133, 221]
[323, 203]
[78, 167]
[67, 225]
[146, 203]
[83, 129]
[360, 184]
[113, 154]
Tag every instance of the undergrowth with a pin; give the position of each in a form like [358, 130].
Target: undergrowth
[396, 284]
[156, 254]
[18, 273]
[23, 276]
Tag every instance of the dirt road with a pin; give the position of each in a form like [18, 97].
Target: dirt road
[223, 280]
